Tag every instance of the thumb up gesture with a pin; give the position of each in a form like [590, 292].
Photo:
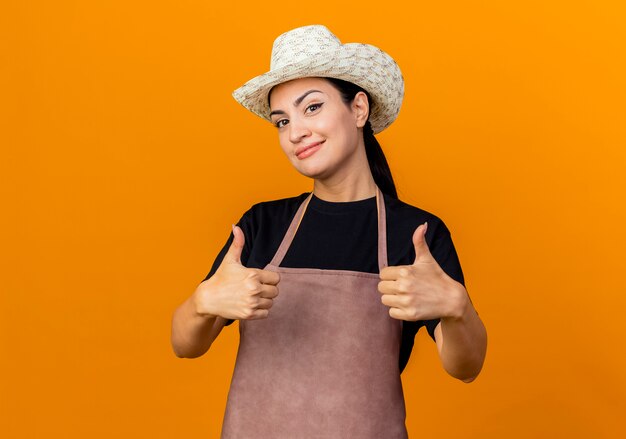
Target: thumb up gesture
[422, 290]
[235, 291]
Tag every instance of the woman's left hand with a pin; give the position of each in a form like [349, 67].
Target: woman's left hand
[421, 291]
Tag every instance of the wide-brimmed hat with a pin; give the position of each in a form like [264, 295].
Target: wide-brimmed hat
[313, 51]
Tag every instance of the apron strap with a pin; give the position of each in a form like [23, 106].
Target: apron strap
[291, 232]
[382, 230]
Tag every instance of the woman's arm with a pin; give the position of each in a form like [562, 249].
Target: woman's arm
[193, 333]
[424, 291]
[233, 292]
[462, 338]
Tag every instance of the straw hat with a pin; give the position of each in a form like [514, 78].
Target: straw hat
[314, 51]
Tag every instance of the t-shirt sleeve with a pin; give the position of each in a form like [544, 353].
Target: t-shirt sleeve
[245, 223]
[442, 249]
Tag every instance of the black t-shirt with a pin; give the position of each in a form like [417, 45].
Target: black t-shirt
[344, 236]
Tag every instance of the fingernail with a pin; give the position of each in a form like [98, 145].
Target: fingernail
[425, 226]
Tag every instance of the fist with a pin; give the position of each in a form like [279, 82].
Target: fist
[422, 290]
[235, 291]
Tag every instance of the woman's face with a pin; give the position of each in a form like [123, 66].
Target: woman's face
[319, 133]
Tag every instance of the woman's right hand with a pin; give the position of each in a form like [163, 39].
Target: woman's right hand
[235, 291]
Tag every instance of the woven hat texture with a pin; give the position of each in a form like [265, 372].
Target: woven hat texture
[314, 51]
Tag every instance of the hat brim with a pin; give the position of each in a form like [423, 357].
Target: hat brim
[362, 64]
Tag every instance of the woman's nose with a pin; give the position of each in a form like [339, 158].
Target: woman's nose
[297, 131]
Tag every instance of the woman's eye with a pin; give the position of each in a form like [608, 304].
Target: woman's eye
[313, 107]
[281, 123]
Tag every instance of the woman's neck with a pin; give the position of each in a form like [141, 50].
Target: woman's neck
[351, 188]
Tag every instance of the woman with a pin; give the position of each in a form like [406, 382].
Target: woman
[328, 315]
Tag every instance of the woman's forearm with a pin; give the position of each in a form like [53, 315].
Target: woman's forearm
[193, 333]
[464, 344]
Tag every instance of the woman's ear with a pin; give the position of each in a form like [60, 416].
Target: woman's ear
[361, 108]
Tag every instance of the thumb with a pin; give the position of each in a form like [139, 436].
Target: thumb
[419, 241]
[233, 255]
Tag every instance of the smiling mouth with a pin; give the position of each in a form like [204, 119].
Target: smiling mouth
[303, 149]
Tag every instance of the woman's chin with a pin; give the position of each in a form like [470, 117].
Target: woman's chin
[309, 174]
[316, 172]
[311, 169]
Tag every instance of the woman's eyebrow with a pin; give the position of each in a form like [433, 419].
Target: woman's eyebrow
[301, 98]
[296, 102]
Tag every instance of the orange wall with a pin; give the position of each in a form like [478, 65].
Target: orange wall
[125, 160]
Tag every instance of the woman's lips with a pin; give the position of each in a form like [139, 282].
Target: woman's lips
[308, 150]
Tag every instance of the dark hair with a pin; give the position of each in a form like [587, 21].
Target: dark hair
[375, 155]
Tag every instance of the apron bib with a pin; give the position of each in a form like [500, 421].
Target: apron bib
[324, 363]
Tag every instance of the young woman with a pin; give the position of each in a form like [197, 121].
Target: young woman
[331, 286]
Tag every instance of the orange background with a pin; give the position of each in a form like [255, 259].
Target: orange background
[125, 160]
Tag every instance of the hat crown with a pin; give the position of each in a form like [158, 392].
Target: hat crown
[300, 44]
